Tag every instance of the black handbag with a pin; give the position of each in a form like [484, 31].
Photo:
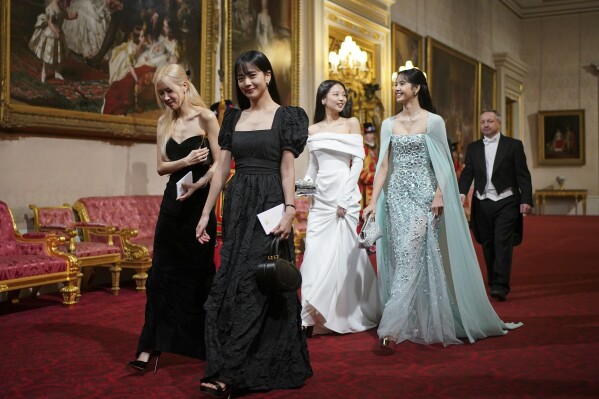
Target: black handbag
[206, 144]
[276, 273]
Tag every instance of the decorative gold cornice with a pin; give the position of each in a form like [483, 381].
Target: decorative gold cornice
[550, 9]
[345, 19]
[375, 10]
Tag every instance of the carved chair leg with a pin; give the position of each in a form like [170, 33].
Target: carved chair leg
[69, 293]
[140, 279]
[79, 277]
[116, 276]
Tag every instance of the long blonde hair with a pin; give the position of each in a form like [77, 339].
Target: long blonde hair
[173, 75]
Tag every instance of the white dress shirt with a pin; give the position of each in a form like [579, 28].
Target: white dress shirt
[490, 152]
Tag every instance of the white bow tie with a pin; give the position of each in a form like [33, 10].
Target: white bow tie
[489, 141]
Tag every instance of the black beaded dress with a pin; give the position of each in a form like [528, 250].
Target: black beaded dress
[254, 340]
[182, 269]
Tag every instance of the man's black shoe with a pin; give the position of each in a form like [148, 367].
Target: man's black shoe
[500, 296]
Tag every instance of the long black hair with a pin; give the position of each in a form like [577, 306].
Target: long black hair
[321, 94]
[416, 77]
[254, 58]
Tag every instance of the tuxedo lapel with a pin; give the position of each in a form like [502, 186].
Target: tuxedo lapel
[480, 156]
[502, 149]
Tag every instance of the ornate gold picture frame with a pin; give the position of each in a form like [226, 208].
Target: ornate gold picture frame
[561, 137]
[453, 81]
[84, 91]
[272, 27]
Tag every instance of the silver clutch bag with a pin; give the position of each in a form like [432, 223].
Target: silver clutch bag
[370, 233]
[304, 188]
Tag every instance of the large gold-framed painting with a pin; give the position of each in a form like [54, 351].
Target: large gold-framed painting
[85, 67]
[453, 79]
[270, 26]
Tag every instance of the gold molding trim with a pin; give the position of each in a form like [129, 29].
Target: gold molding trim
[377, 13]
[346, 20]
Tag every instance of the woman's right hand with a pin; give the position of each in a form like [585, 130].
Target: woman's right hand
[196, 156]
[370, 209]
[201, 234]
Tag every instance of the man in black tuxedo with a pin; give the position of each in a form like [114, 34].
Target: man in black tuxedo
[502, 194]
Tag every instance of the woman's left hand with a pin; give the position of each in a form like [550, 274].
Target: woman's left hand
[284, 227]
[190, 188]
[437, 206]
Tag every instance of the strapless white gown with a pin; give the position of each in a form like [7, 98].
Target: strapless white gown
[339, 288]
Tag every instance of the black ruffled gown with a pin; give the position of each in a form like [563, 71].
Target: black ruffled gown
[182, 269]
[254, 341]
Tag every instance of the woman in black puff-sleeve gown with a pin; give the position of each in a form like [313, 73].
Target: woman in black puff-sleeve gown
[254, 341]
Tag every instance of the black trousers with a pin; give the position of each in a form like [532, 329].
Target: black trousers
[496, 223]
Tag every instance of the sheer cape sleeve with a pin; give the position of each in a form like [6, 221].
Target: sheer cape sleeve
[475, 315]
[225, 135]
[294, 130]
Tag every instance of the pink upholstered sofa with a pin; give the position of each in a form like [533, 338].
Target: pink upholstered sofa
[33, 260]
[134, 219]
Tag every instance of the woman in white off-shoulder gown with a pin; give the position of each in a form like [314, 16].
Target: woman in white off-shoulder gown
[339, 288]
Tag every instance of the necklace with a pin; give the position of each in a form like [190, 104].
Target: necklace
[409, 118]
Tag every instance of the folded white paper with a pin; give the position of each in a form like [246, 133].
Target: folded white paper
[270, 218]
[187, 179]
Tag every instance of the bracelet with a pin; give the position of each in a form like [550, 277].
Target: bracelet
[291, 205]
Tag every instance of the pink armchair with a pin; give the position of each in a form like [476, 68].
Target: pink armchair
[61, 221]
[33, 260]
[134, 218]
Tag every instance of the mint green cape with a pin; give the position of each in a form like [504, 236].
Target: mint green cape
[473, 314]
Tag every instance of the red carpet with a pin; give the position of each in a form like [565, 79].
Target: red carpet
[51, 352]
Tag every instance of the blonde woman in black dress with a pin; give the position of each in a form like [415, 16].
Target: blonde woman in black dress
[182, 268]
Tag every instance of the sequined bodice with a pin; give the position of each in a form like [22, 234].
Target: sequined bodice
[409, 151]
[413, 174]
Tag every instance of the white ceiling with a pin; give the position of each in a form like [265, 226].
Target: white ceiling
[542, 8]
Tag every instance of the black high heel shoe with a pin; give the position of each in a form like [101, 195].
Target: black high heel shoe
[221, 389]
[140, 365]
[308, 330]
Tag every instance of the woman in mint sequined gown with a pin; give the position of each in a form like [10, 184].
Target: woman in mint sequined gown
[430, 282]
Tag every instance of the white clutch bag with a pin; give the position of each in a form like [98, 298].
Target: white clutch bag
[370, 233]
